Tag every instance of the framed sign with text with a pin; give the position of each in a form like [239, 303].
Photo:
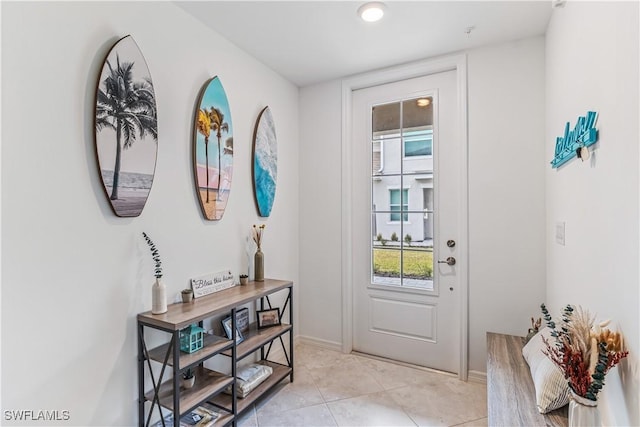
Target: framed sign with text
[213, 282]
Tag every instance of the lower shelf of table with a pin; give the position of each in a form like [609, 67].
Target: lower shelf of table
[207, 383]
[279, 373]
[224, 418]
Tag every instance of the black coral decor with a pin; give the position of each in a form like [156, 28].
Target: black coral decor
[155, 255]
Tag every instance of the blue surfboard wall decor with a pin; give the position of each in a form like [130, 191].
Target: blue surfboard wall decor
[126, 127]
[265, 162]
[213, 150]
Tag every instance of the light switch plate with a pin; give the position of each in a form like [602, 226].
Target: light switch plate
[560, 233]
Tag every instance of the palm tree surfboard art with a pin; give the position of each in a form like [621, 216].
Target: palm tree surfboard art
[213, 173]
[126, 128]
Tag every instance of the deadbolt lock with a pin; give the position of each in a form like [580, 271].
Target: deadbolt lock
[451, 243]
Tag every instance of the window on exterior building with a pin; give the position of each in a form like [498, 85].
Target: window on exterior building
[398, 205]
[418, 143]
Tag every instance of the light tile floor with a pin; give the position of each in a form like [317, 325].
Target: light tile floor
[335, 389]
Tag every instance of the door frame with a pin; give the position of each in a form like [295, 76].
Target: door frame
[458, 63]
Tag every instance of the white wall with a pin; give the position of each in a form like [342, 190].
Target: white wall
[592, 64]
[74, 276]
[506, 200]
[320, 220]
[506, 191]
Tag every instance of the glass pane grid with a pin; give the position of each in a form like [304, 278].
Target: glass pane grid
[398, 257]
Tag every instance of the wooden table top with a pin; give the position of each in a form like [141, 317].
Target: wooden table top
[180, 315]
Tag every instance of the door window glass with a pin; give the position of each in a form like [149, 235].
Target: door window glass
[402, 211]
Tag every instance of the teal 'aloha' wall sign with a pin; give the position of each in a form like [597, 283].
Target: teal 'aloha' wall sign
[583, 134]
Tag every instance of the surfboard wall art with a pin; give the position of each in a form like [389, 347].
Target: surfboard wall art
[265, 162]
[126, 128]
[213, 150]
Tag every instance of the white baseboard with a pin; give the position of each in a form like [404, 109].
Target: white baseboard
[329, 345]
[477, 377]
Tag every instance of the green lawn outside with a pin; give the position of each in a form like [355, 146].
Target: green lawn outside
[418, 263]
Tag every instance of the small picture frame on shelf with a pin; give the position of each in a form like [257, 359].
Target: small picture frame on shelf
[242, 320]
[268, 318]
[226, 325]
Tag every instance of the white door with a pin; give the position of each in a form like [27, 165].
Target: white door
[406, 168]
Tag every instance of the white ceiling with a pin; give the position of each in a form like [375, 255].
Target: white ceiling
[313, 41]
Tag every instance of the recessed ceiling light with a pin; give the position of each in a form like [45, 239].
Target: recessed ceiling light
[371, 12]
[423, 102]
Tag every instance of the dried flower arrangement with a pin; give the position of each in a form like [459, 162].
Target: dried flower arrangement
[583, 352]
[257, 234]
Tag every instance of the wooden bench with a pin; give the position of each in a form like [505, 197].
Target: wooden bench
[511, 396]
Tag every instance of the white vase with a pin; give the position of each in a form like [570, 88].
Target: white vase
[158, 298]
[583, 412]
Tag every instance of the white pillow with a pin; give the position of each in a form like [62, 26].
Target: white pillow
[552, 389]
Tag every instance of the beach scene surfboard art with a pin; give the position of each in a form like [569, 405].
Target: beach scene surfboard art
[126, 128]
[213, 150]
[265, 162]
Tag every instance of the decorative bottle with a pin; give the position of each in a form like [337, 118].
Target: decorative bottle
[158, 297]
[259, 265]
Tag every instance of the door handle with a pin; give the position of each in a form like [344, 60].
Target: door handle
[449, 261]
